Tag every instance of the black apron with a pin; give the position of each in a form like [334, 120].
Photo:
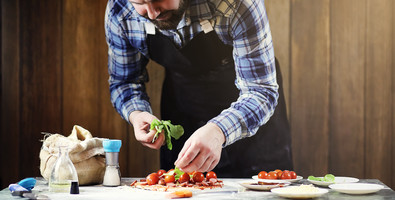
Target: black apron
[198, 85]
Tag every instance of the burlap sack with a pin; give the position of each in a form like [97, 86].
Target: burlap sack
[85, 151]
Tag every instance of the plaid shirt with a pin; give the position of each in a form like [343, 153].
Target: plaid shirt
[242, 24]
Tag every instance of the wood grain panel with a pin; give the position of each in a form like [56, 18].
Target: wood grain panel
[348, 34]
[378, 90]
[40, 50]
[9, 92]
[111, 125]
[278, 12]
[310, 85]
[393, 96]
[143, 160]
[81, 65]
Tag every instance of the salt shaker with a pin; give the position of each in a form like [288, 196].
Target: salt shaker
[112, 175]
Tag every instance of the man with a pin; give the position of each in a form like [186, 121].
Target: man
[220, 82]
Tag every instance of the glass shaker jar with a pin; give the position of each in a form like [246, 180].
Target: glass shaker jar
[63, 173]
[112, 175]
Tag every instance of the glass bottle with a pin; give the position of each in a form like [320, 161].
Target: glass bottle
[63, 172]
[112, 175]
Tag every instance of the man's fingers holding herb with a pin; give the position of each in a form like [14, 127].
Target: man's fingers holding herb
[141, 122]
[157, 143]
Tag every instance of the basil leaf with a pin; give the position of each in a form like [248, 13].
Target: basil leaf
[313, 178]
[168, 138]
[170, 130]
[329, 178]
[326, 178]
[176, 131]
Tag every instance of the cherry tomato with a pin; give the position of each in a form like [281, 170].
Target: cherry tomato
[198, 177]
[152, 179]
[169, 179]
[263, 175]
[161, 172]
[286, 175]
[287, 171]
[272, 175]
[184, 178]
[293, 174]
[211, 175]
[191, 173]
[279, 172]
[171, 171]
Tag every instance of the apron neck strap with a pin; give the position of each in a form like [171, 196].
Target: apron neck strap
[206, 26]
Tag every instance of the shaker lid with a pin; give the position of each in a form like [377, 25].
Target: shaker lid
[28, 183]
[112, 145]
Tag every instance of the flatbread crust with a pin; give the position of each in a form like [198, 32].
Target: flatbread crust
[212, 184]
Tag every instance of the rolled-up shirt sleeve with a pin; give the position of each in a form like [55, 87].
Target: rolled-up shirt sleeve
[255, 73]
[126, 68]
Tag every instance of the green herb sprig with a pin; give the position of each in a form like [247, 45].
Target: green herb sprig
[326, 178]
[170, 130]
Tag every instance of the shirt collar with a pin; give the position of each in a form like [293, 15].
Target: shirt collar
[197, 11]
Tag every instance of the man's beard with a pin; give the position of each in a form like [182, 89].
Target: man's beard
[175, 18]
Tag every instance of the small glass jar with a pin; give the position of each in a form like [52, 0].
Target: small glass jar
[63, 172]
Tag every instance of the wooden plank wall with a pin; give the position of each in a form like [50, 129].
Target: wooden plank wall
[54, 76]
[337, 59]
[347, 57]
[393, 95]
[341, 84]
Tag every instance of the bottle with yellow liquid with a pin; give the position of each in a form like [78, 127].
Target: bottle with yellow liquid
[63, 173]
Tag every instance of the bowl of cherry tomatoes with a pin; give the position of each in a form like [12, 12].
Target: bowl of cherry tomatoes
[277, 176]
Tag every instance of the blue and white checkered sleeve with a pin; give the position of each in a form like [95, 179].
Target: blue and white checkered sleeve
[255, 74]
[126, 67]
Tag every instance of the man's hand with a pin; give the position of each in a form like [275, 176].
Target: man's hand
[141, 122]
[202, 151]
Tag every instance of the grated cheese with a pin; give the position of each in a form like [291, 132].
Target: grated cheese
[300, 189]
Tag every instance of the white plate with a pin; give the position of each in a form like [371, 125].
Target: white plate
[356, 188]
[338, 179]
[253, 185]
[284, 192]
[278, 180]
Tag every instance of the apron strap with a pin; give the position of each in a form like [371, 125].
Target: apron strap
[206, 26]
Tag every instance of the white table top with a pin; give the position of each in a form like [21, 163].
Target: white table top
[231, 190]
